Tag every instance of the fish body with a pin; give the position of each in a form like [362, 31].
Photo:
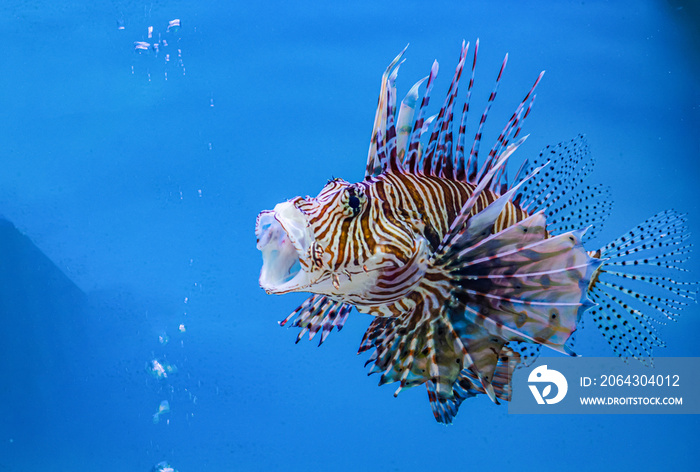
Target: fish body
[465, 272]
[415, 212]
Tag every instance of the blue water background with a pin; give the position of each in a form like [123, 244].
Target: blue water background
[144, 192]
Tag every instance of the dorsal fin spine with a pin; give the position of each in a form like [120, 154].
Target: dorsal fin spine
[436, 148]
[462, 169]
[413, 146]
[474, 153]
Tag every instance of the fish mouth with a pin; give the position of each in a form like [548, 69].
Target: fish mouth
[283, 238]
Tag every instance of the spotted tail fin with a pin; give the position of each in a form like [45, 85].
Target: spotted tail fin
[634, 298]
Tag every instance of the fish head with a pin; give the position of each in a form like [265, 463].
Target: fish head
[318, 244]
[297, 236]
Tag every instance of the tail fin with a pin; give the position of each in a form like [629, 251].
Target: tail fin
[633, 304]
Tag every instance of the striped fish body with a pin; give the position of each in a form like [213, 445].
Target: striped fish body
[466, 274]
[398, 220]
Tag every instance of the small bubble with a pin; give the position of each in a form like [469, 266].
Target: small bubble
[209, 146]
[173, 25]
[163, 467]
[199, 192]
[164, 407]
[160, 371]
[141, 46]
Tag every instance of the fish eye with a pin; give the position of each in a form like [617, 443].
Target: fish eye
[354, 200]
[354, 203]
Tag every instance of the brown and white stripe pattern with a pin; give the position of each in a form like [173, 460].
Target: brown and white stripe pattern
[396, 211]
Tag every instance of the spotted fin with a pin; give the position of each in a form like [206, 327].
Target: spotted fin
[528, 352]
[634, 299]
[561, 190]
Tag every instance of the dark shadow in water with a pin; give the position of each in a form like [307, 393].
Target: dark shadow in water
[687, 15]
[42, 330]
[72, 365]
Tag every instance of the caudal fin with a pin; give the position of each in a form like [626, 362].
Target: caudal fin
[634, 296]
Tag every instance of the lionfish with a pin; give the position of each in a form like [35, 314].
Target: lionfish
[466, 273]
